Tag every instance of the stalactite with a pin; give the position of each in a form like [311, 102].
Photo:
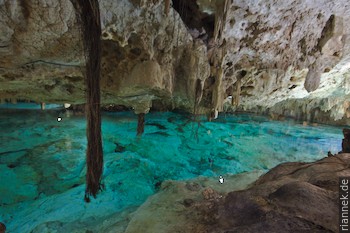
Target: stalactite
[238, 91]
[218, 90]
[167, 7]
[220, 19]
[140, 124]
[219, 56]
[232, 95]
[217, 99]
[88, 13]
[197, 100]
[198, 95]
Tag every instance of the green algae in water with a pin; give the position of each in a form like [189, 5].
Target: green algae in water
[43, 161]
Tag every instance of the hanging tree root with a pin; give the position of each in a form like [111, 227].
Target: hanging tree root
[89, 15]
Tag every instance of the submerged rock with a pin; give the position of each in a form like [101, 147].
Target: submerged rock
[292, 197]
[177, 207]
[119, 148]
[22, 184]
[2, 228]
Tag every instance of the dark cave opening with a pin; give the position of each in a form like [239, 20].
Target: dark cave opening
[200, 24]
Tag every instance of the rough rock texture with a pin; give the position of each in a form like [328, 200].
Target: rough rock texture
[146, 54]
[171, 210]
[287, 58]
[292, 197]
[293, 53]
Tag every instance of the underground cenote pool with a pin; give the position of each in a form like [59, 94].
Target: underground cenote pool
[42, 160]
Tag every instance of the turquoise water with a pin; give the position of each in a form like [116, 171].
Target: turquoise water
[42, 161]
[30, 105]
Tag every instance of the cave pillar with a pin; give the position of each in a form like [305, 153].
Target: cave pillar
[218, 57]
[218, 91]
[141, 108]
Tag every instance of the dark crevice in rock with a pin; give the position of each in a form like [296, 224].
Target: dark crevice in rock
[242, 73]
[115, 108]
[25, 8]
[201, 24]
[327, 32]
[303, 48]
[26, 65]
[256, 31]
[292, 87]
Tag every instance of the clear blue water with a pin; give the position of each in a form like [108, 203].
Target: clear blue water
[30, 105]
[42, 161]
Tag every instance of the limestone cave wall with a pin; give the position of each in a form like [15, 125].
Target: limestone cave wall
[147, 55]
[287, 58]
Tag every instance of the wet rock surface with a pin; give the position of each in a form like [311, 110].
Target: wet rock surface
[292, 197]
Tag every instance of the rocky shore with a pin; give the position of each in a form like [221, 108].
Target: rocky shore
[292, 197]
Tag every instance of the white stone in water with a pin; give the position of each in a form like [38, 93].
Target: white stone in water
[59, 119]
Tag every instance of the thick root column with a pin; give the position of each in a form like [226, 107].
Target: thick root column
[140, 124]
[89, 15]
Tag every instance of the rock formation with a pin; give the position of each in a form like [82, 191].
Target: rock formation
[289, 58]
[293, 57]
[2, 228]
[151, 58]
[346, 141]
[292, 197]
